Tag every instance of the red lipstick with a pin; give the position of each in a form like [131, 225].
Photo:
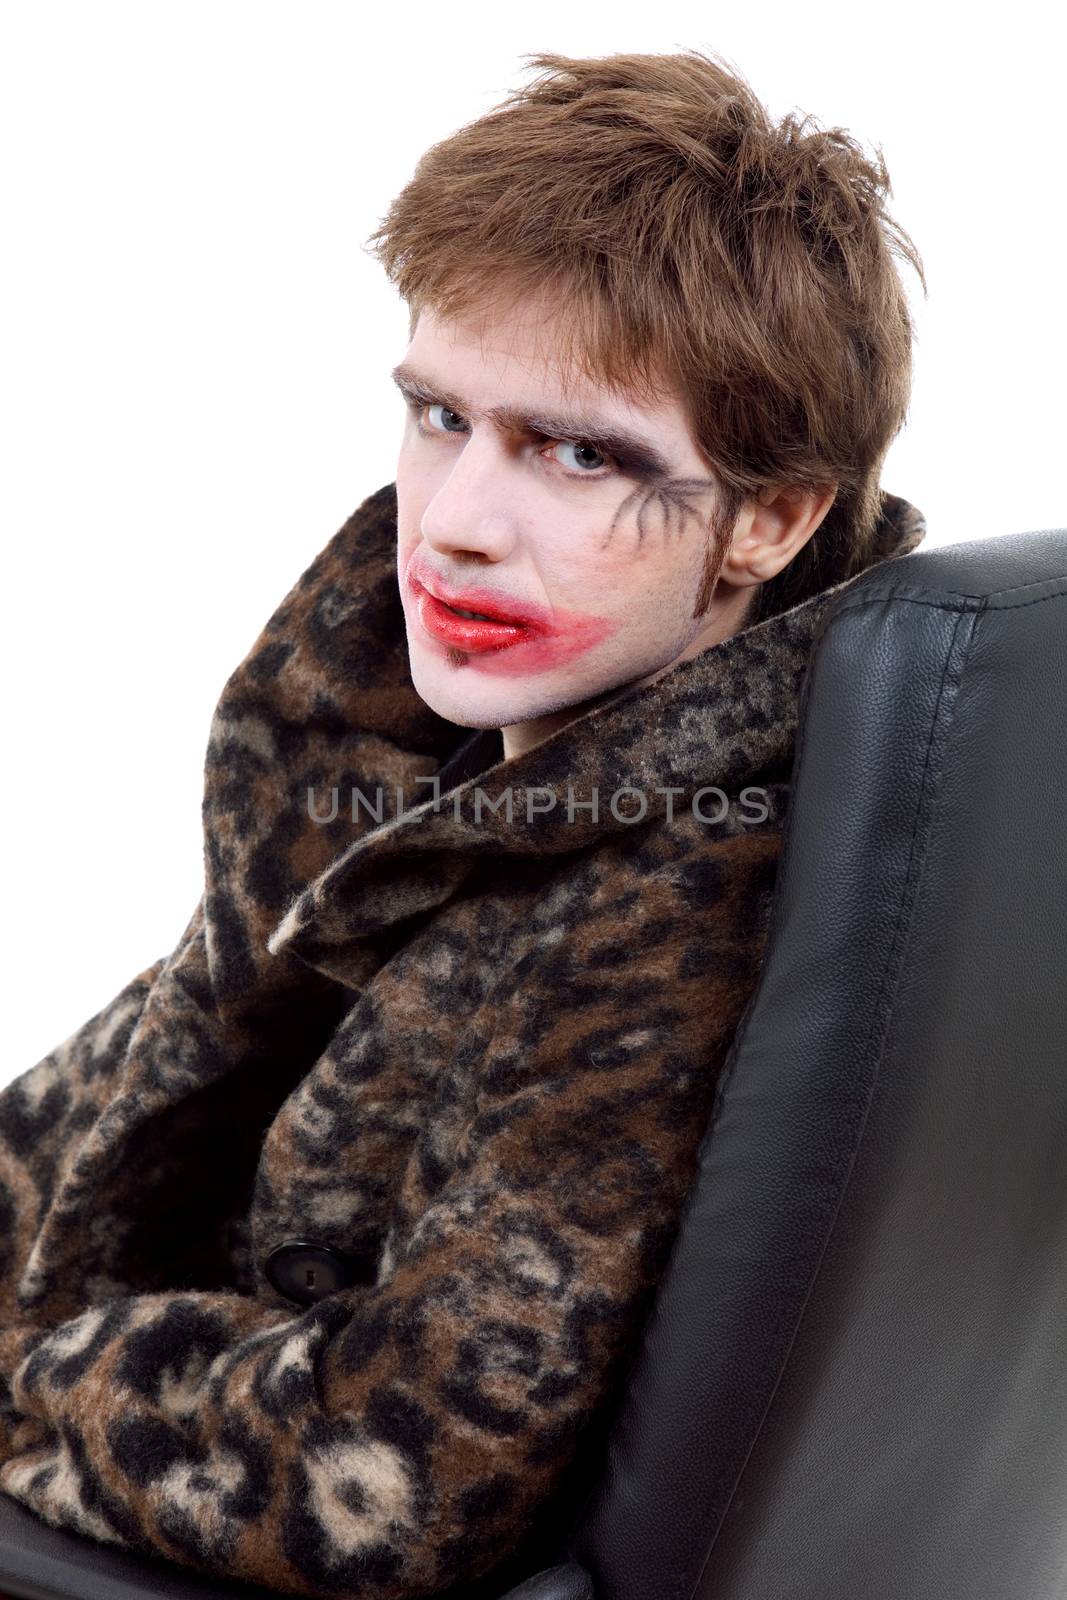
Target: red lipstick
[497, 625]
[508, 635]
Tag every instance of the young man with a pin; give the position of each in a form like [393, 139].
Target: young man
[328, 1241]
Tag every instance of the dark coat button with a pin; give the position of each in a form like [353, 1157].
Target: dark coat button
[305, 1271]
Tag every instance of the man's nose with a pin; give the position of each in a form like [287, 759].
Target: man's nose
[477, 506]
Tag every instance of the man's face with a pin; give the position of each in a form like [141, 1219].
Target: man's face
[578, 516]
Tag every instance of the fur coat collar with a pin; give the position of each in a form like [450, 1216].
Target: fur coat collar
[326, 1241]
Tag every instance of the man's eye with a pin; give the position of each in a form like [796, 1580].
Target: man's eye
[446, 426]
[582, 453]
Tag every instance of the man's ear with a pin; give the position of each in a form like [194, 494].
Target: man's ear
[771, 528]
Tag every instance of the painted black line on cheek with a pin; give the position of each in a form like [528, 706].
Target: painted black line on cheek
[671, 497]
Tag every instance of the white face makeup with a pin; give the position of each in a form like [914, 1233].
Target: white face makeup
[576, 520]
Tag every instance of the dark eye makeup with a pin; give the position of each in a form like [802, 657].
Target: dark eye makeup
[629, 465]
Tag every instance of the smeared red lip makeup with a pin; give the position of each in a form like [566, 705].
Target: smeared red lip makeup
[507, 637]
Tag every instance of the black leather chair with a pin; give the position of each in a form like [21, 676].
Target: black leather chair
[853, 1382]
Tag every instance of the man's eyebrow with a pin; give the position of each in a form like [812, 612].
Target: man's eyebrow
[633, 451]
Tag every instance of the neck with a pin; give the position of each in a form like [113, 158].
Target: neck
[522, 736]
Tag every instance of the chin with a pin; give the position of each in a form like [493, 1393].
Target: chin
[473, 701]
[452, 695]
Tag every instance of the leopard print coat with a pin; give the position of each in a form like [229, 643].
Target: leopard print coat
[460, 1062]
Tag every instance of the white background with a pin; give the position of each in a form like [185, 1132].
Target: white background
[194, 353]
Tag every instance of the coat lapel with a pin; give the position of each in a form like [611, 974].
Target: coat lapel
[323, 697]
[724, 719]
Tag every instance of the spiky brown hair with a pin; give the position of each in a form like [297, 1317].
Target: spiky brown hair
[744, 266]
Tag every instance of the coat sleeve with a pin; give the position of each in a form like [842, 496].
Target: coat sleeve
[388, 1440]
[44, 1114]
[397, 1438]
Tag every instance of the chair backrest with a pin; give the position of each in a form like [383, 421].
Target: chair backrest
[853, 1382]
